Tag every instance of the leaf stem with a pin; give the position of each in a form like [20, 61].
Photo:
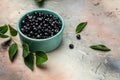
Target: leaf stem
[12, 37]
[15, 41]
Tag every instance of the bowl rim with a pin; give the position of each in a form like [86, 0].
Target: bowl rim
[42, 9]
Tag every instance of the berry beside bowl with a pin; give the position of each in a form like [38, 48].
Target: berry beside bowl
[41, 29]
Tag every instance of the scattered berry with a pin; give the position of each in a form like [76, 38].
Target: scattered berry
[39, 25]
[71, 46]
[78, 36]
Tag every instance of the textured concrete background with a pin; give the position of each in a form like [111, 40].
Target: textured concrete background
[81, 63]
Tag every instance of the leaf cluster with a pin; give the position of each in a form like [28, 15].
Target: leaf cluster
[7, 31]
[28, 56]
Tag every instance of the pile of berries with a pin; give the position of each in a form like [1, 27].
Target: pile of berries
[39, 25]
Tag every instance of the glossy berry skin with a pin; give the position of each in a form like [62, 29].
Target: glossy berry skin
[71, 46]
[78, 36]
[39, 25]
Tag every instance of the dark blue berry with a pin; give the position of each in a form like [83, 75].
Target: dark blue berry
[78, 36]
[39, 18]
[46, 29]
[34, 29]
[39, 31]
[23, 22]
[71, 46]
[36, 24]
[46, 34]
[27, 24]
[23, 30]
[29, 17]
[50, 15]
[40, 25]
[52, 33]
[38, 37]
[56, 30]
[41, 14]
[36, 34]
[36, 13]
[31, 32]
[28, 35]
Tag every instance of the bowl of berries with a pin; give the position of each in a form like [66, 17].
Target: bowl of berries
[41, 29]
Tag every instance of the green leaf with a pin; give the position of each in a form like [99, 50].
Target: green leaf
[3, 35]
[29, 61]
[12, 51]
[100, 47]
[13, 32]
[80, 27]
[38, 1]
[3, 29]
[25, 50]
[41, 57]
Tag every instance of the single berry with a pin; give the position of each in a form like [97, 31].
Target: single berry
[50, 15]
[36, 24]
[46, 34]
[39, 18]
[36, 13]
[46, 29]
[28, 35]
[38, 31]
[71, 46]
[38, 36]
[23, 30]
[34, 29]
[78, 36]
[23, 22]
[31, 32]
[56, 30]
[29, 17]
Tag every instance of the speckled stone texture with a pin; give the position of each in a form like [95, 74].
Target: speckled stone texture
[80, 63]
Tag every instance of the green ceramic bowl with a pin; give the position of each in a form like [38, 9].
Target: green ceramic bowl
[47, 44]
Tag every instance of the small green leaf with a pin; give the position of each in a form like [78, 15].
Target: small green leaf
[80, 27]
[38, 1]
[29, 61]
[100, 47]
[3, 29]
[12, 51]
[13, 32]
[3, 35]
[41, 57]
[25, 50]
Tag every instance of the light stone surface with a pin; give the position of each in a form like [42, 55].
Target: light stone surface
[80, 63]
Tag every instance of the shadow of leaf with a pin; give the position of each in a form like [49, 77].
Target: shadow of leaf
[43, 67]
